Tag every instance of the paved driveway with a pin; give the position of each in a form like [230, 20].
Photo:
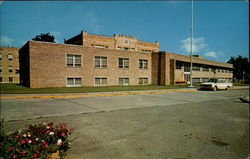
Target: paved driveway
[178, 125]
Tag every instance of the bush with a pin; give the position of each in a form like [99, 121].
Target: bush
[37, 141]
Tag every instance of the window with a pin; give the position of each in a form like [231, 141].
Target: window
[196, 68]
[1, 56]
[123, 63]
[100, 62]
[218, 70]
[206, 69]
[101, 81]
[1, 79]
[178, 65]
[123, 81]
[205, 79]
[1, 68]
[143, 64]
[10, 79]
[213, 70]
[143, 81]
[74, 60]
[196, 80]
[101, 46]
[74, 82]
[10, 57]
[186, 68]
[10, 68]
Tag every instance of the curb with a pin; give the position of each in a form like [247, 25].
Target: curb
[97, 94]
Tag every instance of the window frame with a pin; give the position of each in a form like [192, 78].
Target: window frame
[101, 62]
[143, 78]
[11, 79]
[123, 78]
[74, 81]
[12, 57]
[123, 66]
[74, 60]
[10, 69]
[100, 78]
[143, 64]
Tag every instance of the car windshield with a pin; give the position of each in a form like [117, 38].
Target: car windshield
[213, 80]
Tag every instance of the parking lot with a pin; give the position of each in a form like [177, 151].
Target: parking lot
[176, 125]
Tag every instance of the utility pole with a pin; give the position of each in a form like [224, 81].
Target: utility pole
[191, 45]
[243, 76]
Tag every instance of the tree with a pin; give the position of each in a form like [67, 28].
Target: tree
[44, 37]
[241, 66]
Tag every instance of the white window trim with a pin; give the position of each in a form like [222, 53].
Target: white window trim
[73, 60]
[143, 78]
[123, 62]
[10, 55]
[100, 84]
[101, 62]
[123, 81]
[74, 81]
[143, 68]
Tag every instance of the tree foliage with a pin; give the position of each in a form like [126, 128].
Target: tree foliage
[240, 65]
[44, 37]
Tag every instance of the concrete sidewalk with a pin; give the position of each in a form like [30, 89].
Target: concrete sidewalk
[94, 94]
[100, 94]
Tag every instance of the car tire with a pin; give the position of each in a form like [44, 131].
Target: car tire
[226, 88]
[215, 88]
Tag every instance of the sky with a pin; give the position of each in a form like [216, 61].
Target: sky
[221, 28]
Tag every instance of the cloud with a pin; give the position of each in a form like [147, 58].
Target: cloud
[199, 46]
[211, 54]
[56, 33]
[5, 41]
[91, 20]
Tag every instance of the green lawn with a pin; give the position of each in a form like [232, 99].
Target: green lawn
[11, 88]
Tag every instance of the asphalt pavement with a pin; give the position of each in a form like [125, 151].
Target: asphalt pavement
[174, 125]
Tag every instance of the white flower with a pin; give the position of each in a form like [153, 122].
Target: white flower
[47, 127]
[37, 139]
[51, 133]
[59, 142]
[44, 124]
[29, 134]
[29, 141]
[24, 135]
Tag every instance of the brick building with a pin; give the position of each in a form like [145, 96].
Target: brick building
[171, 68]
[97, 60]
[9, 65]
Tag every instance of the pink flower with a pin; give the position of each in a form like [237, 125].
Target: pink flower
[43, 142]
[10, 148]
[22, 141]
[14, 156]
[23, 152]
[61, 134]
[51, 125]
[35, 155]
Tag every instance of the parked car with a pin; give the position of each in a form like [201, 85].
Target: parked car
[216, 84]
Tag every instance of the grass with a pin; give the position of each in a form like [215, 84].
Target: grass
[11, 88]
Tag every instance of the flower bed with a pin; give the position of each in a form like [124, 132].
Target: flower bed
[37, 141]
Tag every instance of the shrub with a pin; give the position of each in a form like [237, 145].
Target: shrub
[37, 141]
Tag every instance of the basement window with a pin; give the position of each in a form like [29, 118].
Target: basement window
[143, 81]
[74, 82]
[123, 81]
[101, 81]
